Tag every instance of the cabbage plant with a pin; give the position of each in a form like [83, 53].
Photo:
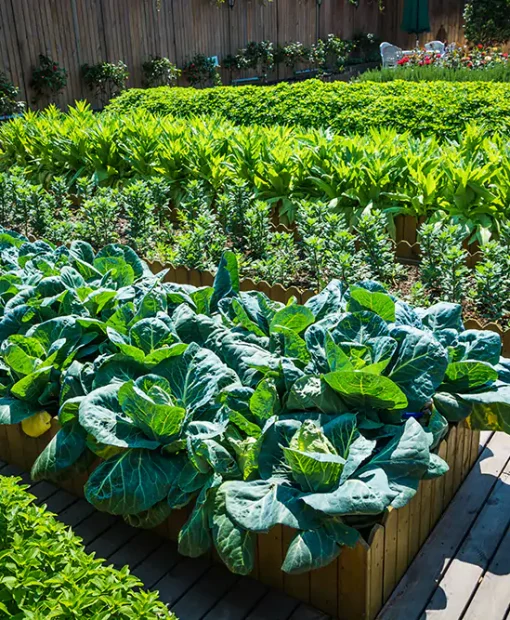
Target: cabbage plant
[254, 412]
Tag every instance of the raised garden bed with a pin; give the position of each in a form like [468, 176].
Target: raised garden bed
[358, 583]
[277, 292]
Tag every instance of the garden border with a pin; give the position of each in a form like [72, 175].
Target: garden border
[360, 580]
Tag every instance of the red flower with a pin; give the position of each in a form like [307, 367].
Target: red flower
[480, 46]
[427, 60]
[470, 65]
[505, 55]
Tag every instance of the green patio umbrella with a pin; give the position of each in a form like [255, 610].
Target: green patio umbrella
[415, 18]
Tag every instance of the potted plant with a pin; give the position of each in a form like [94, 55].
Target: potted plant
[105, 79]
[48, 79]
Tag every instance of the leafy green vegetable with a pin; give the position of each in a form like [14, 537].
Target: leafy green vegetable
[317, 417]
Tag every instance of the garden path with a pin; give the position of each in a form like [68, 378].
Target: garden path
[463, 569]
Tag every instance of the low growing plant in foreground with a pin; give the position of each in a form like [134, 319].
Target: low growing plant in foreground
[45, 572]
[315, 416]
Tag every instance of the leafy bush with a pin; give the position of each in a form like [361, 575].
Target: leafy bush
[201, 71]
[48, 78]
[317, 417]
[8, 97]
[429, 108]
[160, 71]
[45, 572]
[487, 21]
[105, 79]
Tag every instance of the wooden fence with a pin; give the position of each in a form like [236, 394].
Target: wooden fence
[75, 32]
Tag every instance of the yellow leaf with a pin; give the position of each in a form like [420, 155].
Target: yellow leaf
[37, 425]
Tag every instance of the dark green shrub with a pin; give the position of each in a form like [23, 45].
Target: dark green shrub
[105, 79]
[48, 78]
[45, 572]
[8, 97]
[487, 21]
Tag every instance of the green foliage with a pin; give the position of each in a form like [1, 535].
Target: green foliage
[420, 108]
[492, 278]
[45, 572]
[201, 71]
[315, 416]
[376, 248]
[100, 218]
[159, 71]
[105, 79]
[465, 177]
[48, 79]
[443, 269]
[500, 73]
[487, 21]
[8, 97]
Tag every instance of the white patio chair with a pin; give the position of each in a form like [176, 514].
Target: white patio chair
[390, 54]
[435, 46]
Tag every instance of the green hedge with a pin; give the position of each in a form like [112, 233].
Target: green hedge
[45, 572]
[436, 108]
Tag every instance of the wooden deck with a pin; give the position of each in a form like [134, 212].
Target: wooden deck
[194, 589]
[463, 570]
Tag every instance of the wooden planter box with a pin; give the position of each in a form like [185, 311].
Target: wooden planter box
[360, 581]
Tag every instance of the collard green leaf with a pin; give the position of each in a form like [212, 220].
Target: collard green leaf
[260, 505]
[353, 497]
[443, 315]
[120, 486]
[235, 545]
[226, 282]
[379, 303]
[148, 402]
[265, 402]
[314, 471]
[150, 518]
[479, 345]
[330, 299]
[293, 317]
[63, 451]
[101, 415]
[418, 366]
[13, 411]
[310, 550]
[362, 390]
[310, 392]
[468, 376]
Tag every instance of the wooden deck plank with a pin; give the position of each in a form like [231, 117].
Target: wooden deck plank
[59, 501]
[155, 565]
[460, 580]
[239, 601]
[177, 581]
[136, 550]
[15, 470]
[419, 583]
[42, 491]
[492, 598]
[93, 526]
[305, 612]
[76, 513]
[274, 606]
[205, 594]
[110, 541]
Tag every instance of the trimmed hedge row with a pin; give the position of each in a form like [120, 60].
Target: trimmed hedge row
[432, 108]
[46, 573]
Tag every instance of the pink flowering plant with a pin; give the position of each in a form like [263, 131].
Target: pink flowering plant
[477, 57]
